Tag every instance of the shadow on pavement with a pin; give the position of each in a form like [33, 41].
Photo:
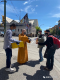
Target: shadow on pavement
[4, 75]
[39, 75]
[32, 63]
[16, 65]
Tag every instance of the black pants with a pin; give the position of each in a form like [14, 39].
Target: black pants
[8, 57]
[50, 58]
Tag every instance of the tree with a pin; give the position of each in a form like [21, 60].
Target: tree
[37, 29]
[58, 32]
[53, 31]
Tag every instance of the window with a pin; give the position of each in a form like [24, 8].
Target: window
[27, 31]
[21, 30]
[18, 30]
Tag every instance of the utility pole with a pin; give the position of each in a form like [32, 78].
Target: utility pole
[5, 12]
[5, 16]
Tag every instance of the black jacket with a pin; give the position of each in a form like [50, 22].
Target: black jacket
[48, 42]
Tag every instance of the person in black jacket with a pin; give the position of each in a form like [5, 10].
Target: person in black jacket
[50, 51]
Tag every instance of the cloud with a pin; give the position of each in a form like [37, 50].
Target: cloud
[32, 9]
[56, 15]
[25, 2]
[58, 7]
[36, 5]
[56, 21]
[29, 1]
[0, 20]
[17, 20]
[9, 8]
[21, 10]
[29, 9]
[26, 8]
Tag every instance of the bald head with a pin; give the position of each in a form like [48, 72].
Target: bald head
[23, 31]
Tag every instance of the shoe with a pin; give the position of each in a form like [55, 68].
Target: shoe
[40, 60]
[52, 68]
[12, 65]
[46, 69]
[9, 69]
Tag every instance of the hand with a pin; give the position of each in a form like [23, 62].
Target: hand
[36, 38]
[17, 42]
[36, 42]
[29, 39]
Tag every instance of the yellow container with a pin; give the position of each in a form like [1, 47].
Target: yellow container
[14, 45]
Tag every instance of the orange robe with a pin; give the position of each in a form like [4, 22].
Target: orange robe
[22, 51]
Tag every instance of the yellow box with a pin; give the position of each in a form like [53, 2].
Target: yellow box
[14, 45]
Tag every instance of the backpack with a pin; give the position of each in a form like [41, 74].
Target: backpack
[56, 42]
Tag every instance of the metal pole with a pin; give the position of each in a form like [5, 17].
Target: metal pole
[5, 16]
[27, 26]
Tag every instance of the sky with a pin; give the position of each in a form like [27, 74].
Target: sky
[46, 11]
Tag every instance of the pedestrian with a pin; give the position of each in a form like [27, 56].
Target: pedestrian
[7, 46]
[22, 51]
[50, 51]
[40, 39]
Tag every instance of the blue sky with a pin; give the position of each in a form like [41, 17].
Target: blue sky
[46, 11]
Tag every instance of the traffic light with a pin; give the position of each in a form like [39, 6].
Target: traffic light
[3, 19]
[2, 25]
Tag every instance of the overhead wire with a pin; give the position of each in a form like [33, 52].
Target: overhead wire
[13, 10]
[0, 1]
[14, 0]
[17, 0]
[13, 5]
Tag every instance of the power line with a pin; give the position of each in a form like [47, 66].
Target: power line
[13, 10]
[15, 0]
[14, 7]
[0, 1]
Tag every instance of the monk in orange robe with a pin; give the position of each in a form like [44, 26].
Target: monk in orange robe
[22, 51]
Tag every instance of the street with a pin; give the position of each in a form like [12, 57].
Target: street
[33, 55]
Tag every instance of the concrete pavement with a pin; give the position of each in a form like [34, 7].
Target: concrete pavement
[32, 70]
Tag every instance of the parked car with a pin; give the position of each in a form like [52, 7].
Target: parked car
[2, 33]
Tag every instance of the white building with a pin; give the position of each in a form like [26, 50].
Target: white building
[20, 26]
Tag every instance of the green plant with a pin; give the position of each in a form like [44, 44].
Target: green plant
[37, 29]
